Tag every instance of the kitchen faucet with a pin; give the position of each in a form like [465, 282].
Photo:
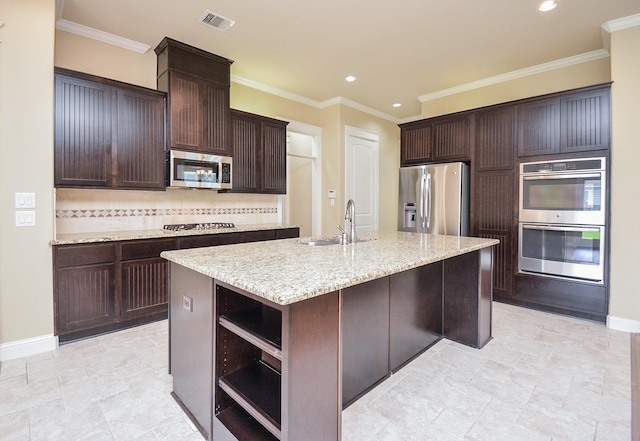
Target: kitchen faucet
[350, 215]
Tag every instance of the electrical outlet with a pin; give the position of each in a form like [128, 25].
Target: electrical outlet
[187, 303]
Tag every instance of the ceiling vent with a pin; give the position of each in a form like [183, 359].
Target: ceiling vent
[216, 21]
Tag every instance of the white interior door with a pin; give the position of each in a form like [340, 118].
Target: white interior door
[362, 176]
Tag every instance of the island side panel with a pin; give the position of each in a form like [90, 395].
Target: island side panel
[365, 337]
[467, 298]
[415, 312]
[191, 342]
[311, 386]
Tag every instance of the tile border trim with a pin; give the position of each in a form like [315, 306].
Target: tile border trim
[136, 212]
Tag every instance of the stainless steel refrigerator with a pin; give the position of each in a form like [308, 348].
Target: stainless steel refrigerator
[434, 199]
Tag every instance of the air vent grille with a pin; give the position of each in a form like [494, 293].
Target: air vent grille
[216, 21]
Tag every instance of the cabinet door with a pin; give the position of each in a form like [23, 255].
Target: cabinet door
[494, 139]
[538, 127]
[494, 211]
[144, 287]
[84, 294]
[274, 158]
[246, 136]
[451, 139]
[140, 151]
[416, 144]
[585, 121]
[83, 133]
[215, 137]
[185, 112]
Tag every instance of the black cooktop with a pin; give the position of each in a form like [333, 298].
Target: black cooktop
[201, 226]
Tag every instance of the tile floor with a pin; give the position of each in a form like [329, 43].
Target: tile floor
[543, 377]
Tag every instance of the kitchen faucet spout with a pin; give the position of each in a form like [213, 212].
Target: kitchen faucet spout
[350, 215]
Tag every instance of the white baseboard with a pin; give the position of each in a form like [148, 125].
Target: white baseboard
[623, 324]
[27, 347]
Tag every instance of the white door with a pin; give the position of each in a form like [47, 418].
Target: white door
[361, 176]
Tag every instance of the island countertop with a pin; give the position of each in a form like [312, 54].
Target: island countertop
[288, 271]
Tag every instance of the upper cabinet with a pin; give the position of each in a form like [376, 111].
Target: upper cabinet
[494, 139]
[108, 134]
[259, 153]
[436, 140]
[197, 83]
[568, 122]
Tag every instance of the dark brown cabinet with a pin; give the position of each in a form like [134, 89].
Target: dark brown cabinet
[101, 287]
[570, 122]
[436, 140]
[107, 134]
[84, 283]
[493, 190]
[197, 83]
[144, 277]
[553, 126]
[259, 153]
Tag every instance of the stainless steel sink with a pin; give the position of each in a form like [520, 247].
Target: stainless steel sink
[329, 241]
[323, 242]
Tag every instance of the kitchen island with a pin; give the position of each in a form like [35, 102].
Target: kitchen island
[271, 340]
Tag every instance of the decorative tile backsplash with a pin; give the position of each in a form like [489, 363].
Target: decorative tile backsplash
[85, 211]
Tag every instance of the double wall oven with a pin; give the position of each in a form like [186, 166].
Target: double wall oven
[562, 219]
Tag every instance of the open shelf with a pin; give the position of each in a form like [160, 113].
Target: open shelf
[256, 388]
[243, 426]
[260, 325]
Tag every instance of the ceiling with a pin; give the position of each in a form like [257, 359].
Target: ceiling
[399, 50]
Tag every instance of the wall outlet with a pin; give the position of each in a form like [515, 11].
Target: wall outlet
[187, 303]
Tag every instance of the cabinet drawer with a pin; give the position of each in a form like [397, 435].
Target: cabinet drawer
[256, 236]
[147, 248]
[210, 240]
[74, 255]
[288, 233]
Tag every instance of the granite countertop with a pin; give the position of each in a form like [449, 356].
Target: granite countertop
[110, 236]
[288, 271]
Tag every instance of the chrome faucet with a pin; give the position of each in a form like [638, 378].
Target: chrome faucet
[350, 215]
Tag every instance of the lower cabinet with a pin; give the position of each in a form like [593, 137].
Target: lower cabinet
[84, 279]
[102, 287]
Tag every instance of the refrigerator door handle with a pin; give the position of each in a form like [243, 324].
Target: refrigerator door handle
[428, 197]
[420, 193]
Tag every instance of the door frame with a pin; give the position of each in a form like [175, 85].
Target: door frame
[315, 133]
[355, 132]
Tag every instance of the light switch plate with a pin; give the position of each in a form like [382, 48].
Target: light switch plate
[25, 200]
[25, 218]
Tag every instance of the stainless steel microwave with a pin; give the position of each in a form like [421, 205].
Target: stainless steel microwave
[198, 170]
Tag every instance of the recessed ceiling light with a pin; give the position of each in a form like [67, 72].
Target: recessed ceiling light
[350, 78]
[397, 105]
[547, 5]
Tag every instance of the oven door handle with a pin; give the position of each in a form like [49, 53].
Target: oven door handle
[571, 176]
[551, 228]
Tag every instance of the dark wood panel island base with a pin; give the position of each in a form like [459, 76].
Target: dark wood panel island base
[260, 349]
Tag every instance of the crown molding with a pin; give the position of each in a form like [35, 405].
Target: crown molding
[533, 70]
[310, 102]
[105, 37]
[622, 23]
